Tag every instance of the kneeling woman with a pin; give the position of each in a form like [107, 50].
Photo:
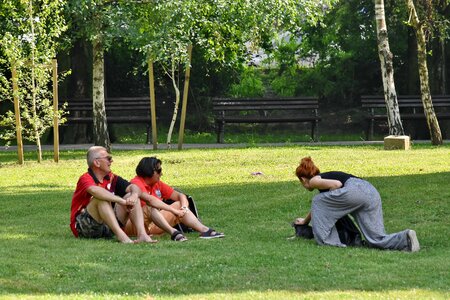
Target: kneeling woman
[342, 194]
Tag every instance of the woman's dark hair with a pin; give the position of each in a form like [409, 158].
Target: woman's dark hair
[147, 166]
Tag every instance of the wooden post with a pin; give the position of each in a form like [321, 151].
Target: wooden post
[17, 114]
[185, 98]
[152, 104]
[55, 111]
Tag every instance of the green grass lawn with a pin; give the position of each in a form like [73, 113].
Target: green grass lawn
[40, 259]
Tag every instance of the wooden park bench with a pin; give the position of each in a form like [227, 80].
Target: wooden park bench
[411, 108]
[266, 110]
[118, 110]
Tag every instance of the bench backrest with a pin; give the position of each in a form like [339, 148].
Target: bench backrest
[122, 103]
[405, 101]
[247, 104]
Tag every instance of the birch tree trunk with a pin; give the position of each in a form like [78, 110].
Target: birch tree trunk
[34, 116]
[387, 72]
[430, 115]
[175, 109]
[101, 136]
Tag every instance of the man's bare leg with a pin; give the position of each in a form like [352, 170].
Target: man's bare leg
[103, 212]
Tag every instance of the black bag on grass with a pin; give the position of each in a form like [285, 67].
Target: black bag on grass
[192, 207]
[349, 234]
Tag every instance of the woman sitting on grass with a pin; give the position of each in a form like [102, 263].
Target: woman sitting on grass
[159, 217]
[342, 194]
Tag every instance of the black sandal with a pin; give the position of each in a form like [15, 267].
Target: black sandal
[177, 236]
[211, 234]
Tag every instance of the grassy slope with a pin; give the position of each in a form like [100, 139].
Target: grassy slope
[40, 258]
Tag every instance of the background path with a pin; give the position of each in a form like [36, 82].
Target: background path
[205, 146]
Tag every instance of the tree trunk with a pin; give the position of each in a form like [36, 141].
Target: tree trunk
[15, 81]
[387, 72]
[432, 122]
[101, 136]
[185, 99]
[175, 109]
[34, 116]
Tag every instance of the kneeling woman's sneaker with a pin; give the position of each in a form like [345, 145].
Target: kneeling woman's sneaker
[211, 234]
[413, 241]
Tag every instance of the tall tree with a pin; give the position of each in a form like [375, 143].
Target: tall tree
[432, 121]
[30, 32]
[387, 72]
[99, 22]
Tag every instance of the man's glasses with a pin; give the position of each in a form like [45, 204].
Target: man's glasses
[109, 158]
[158, 170]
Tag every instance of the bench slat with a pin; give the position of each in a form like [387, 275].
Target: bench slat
[261, 107]
[255, 119]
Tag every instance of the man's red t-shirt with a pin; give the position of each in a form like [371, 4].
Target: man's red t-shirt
[159, 190]
[81, 198]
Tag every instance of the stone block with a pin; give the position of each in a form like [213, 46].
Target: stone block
[397, 142]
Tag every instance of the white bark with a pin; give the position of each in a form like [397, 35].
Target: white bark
[101, 136]
[175, 109]
[34, 117]
[387, 72]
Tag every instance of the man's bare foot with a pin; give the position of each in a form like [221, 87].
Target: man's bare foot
[146, 239]
[129, 241]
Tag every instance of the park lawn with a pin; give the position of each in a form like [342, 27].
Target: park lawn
[40, 259]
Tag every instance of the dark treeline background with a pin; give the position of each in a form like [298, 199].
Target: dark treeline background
[336, 60]
[346, 65]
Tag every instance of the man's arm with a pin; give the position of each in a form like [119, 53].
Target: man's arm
[103, 194]
[133, 193]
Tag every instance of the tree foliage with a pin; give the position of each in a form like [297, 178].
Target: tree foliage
[30, 33]
[97, 20]
[222, 29]
[101, 23]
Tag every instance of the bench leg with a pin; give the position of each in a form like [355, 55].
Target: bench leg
[220, 131]
[315, 131]
[370, 129]
[149, 134]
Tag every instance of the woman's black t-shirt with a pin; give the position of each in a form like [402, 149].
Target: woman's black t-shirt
[336, 175]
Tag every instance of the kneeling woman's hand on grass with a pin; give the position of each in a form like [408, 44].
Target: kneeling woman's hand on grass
[300, 221]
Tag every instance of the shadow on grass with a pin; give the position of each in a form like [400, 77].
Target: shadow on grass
[39, 255]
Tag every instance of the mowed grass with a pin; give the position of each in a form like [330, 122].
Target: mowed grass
[40, 259]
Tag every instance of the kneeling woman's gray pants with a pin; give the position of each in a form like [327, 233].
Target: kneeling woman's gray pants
[360, 199]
